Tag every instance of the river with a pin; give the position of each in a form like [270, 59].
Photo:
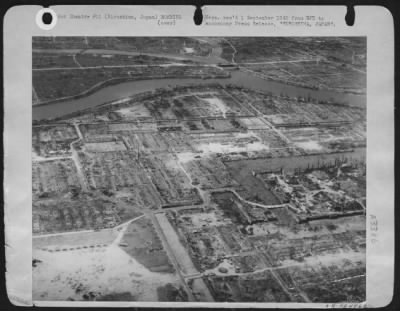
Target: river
[239, 78]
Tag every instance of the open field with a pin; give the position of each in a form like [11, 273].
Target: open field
[174, 45]
[52, 61]
[106, 273]
[142, 243]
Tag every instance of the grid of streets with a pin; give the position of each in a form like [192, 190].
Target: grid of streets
[211, 190]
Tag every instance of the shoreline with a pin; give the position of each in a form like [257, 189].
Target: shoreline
[123, 101]
[114, 81]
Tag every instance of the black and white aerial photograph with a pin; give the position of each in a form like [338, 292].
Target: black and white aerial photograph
[199, 169]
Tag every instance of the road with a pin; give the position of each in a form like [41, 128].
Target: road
[123, 225]
[41, 159]
[234, 51]
[75, 158]
[35, 97]
[279, 62]
[171, 255]
[254, 203]
[210, 59]
[180, 256]
[123, 66]
[75, 61]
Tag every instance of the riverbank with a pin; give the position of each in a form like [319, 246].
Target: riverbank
[238, 78]
[114, 81]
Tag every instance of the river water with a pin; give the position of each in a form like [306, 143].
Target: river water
[239, 78]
